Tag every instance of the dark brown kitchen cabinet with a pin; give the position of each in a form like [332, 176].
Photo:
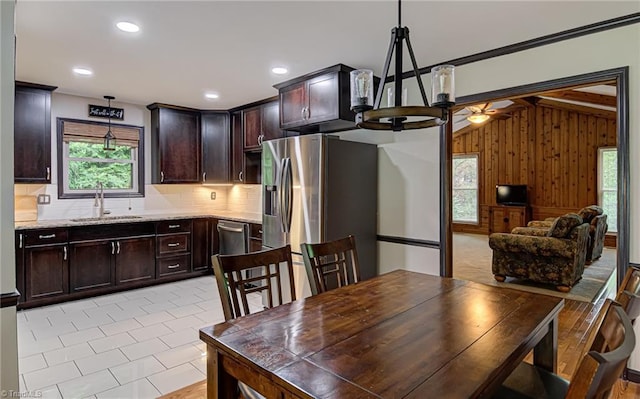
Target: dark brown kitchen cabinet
[215, 146]
[92, 265]
[245, 165]
[318, 102]
[173, 247]
[261, 123]
[175, 144]
[19, 236]
[135, 260]
[32, 133]
[201, 244]
[46, 264]
[255, 237]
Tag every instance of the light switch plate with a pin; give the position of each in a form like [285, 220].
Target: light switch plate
[44, 199]
[213, 195]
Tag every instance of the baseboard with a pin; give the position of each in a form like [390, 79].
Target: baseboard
[633, 375]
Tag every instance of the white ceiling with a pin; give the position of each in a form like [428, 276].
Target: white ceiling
[185, 48]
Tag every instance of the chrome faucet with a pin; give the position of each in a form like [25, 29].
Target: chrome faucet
[99, 200]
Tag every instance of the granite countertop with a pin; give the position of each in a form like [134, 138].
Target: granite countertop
[112, 219]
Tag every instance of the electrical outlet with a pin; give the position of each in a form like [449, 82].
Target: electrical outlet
[213, 195]
[44, 199]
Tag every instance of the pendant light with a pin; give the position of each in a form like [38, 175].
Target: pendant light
[109, 138]
[369, 115]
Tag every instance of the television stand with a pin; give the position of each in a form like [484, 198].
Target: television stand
[504, 218]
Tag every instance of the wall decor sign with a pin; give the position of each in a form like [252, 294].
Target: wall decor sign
[100, 111]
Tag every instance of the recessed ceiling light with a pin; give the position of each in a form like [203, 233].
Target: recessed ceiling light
[279, 70]
[128, 27]
[82, 71]
[211, 96]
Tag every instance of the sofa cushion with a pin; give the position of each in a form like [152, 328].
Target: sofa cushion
[563, 225]
[589, 212]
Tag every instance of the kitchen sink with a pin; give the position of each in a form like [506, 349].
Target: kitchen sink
[106, 218]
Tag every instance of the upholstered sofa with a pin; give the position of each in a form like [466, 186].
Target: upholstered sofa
[591, 214]
[557, 258]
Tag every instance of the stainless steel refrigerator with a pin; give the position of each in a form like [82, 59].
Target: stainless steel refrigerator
[319, 188]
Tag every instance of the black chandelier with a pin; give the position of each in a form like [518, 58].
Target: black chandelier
[370, 116]
[109, 138]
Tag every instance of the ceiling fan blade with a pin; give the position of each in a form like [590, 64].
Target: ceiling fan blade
[474, 109]
[486, 107]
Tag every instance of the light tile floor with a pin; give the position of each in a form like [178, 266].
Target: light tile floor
[135, 344]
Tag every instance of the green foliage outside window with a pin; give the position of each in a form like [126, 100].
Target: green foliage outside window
[89, 163]
[609, 186]
[465, 189]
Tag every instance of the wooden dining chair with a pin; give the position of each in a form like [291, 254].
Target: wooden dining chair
[331, 264]
[629, 293]
[235, 282]
[610, 344]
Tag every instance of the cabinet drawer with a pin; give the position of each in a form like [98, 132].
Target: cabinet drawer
[173, 243]
[174, 226]
[256, 230]
[174, 265]
[45, 237]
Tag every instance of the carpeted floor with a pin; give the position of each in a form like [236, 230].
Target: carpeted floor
[472, 261]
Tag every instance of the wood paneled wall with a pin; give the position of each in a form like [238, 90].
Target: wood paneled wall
[553, 150]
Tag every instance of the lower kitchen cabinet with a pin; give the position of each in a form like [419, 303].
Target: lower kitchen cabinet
[92, 265]
[202, 244]
[46, 271]
[135, 259]
[173, 247]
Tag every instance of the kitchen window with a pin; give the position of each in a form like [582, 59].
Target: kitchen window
[608, 185]
[83, 162]
[465, 188]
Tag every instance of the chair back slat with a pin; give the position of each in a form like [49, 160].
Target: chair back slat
[235, 284]
[609, 350]
[629, 293]
[331, 264]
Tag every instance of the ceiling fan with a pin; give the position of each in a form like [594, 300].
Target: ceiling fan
[478, 113]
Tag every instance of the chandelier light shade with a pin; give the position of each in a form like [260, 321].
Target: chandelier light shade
[361, 90]
[109, 138]
[398, 116]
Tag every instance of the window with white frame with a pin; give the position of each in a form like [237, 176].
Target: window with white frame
[465, 188]
[608, 185]
[83, 162]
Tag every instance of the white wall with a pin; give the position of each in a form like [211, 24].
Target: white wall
[8, 338]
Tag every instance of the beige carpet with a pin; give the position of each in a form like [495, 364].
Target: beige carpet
[472, 261]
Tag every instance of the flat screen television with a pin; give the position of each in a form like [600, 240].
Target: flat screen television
[511, 194]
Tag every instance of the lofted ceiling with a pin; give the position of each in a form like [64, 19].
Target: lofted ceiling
[186, 48]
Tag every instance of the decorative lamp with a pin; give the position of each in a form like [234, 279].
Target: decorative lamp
[109, 138]
[361, 90]
[396, 116]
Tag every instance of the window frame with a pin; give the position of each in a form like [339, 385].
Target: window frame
[63, 152]
[476, 156]
[612, 227]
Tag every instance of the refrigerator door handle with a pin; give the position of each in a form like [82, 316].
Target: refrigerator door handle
[289, 199]
[281, 203]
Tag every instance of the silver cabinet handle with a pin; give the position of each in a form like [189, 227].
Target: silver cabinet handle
[47, 236]
[174, 226]
[303, 112]
[308, 113]
[21, 240]
[64, 252]
[118, 246]
[113, 248]
[173, 244]
[260, 139]
[240, 176]
[161, 177]
[177, 265]
[204, 177]
[48, 173]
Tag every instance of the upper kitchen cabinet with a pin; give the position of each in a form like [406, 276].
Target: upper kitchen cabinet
[32, 133]
[175, 144]
[261, 122]
[318, 102]
[215, 146]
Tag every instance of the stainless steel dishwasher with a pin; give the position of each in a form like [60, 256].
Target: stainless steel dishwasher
[233, 239]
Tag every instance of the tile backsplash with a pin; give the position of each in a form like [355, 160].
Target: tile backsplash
[158, 199]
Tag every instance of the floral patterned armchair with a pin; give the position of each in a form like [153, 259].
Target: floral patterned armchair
[557, 258]
[591, 214]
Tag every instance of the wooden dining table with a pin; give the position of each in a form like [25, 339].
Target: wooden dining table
[398, 335]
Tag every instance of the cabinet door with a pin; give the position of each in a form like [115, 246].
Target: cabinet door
[293, 105]
[20, 265]
[498, 220]
[135, 259]
[215, 147]
[91, 265]
[237, 144]
[322, 95]
[201, 245]
[46, 272]
[271, 121]
[179, 146]
[252, 127]
[32, 135]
